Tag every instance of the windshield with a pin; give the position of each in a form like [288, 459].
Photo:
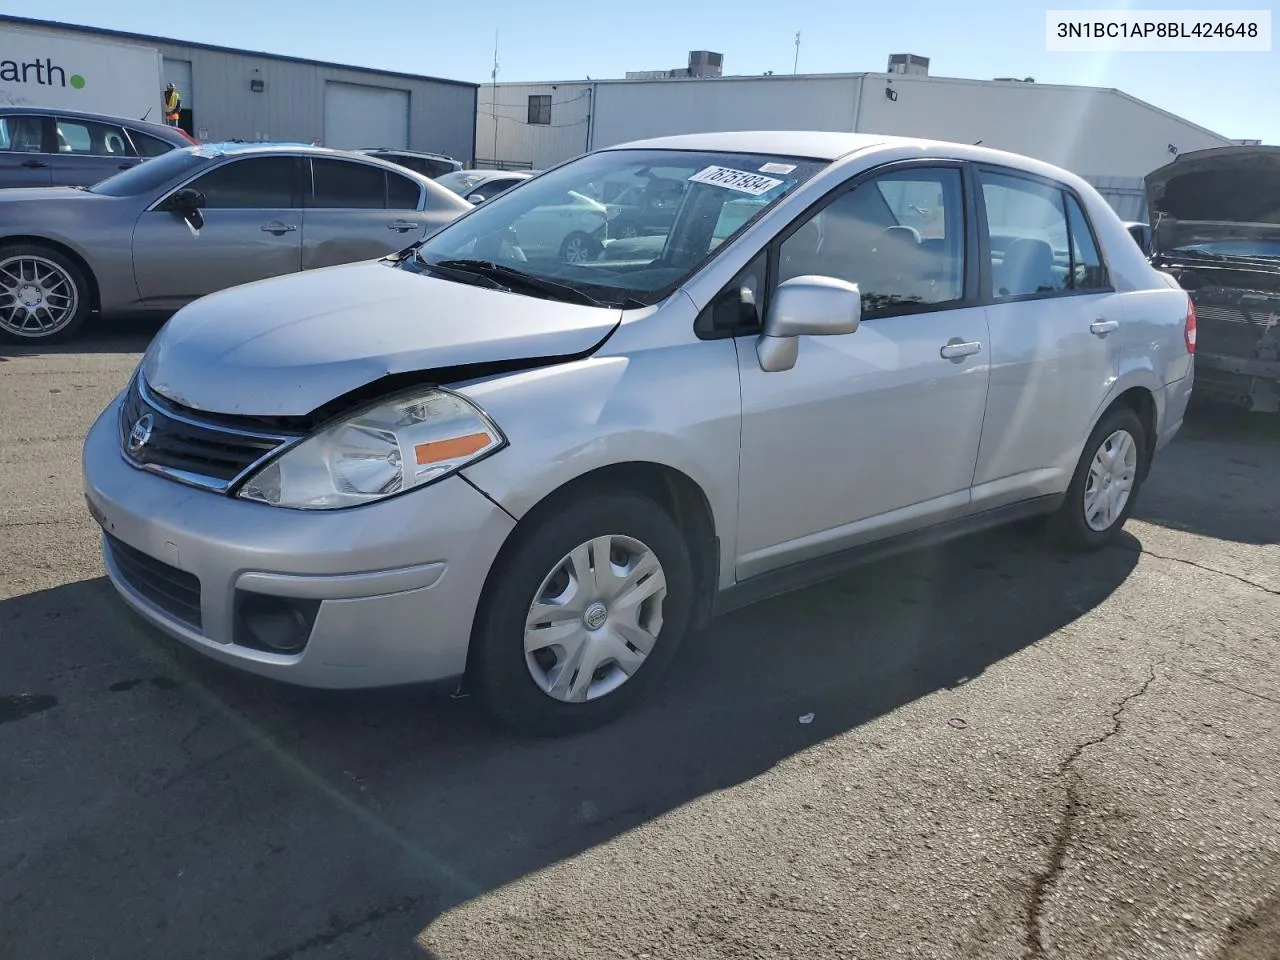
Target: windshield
[1234, 248]
[568, 227]
[153, 174]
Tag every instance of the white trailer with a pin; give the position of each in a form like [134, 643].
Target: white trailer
[57, 71]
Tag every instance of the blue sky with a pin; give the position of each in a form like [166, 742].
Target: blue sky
[1232, 94]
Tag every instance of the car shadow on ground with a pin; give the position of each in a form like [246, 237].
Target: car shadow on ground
[1219, 477]
[368, 814]
[114, 336]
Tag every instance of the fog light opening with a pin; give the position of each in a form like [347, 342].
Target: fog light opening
[276, 624]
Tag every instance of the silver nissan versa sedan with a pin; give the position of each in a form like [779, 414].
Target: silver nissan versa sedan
[537, 476]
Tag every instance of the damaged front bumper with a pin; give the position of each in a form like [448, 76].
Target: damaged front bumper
[1238, 347]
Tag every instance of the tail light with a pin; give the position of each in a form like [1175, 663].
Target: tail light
[1189, 331]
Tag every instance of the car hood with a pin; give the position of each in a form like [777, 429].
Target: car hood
[46, 194]
[287, 346]
[1215, 194]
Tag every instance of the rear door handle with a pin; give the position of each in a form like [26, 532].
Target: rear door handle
[957, 349]
[1102, 327]
[34, 163]
[278, 228]
[402, 226]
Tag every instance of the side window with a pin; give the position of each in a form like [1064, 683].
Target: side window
[1028, 233]
[149, 146]
[255, 183]
[739, 307]
[899, 236]
[339, 184]
[436, 168]
[89, 138]
[1087, 271]
[402, 193]
[23, 134]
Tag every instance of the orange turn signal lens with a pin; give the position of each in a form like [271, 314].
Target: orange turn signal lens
[438, 451]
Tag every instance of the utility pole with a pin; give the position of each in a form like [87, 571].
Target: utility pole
[796, 66]
[495, 98]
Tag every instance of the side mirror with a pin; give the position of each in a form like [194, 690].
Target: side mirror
[806, 307]
[186, 203]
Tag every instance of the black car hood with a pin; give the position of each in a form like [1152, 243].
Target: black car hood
[1215, 194]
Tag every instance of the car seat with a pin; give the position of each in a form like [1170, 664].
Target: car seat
[1027, 268]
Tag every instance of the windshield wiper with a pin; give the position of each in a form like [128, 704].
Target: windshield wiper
[509, 277]
[458, 274]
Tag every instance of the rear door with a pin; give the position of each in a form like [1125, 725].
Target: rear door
[358, 211]
[252, 230]
[89, 151]
[1055, 336]
[24, 157]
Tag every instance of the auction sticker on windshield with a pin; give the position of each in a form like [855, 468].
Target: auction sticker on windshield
[740, 180]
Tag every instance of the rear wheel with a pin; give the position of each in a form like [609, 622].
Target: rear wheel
[579, 247]
[44, 295]
[584, 614]
[1105, 485]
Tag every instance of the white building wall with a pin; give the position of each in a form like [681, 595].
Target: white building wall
[656, 108]
[1089, 131]
[504, 134]
[1096, 133]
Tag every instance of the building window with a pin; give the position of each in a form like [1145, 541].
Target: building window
[540, 108]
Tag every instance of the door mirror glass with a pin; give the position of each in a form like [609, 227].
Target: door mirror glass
[807, 306]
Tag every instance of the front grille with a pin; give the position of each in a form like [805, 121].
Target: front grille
[174, 591]
[179, 444]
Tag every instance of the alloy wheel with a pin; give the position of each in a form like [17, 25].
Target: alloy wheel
[37, 296]
[595, 618]
[576, 250]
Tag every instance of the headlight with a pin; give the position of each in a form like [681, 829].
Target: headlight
[395, 446]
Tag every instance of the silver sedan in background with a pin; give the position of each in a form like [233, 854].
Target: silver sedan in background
[199, 220]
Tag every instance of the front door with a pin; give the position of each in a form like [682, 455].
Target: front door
[89, 151]
[1055, 338]
[252, 230]
[23, 159]
[358, 211]
[875, 432]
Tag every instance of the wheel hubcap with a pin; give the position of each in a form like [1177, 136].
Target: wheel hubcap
[37, 297]
[1110, 481]
[576, 251]
[595, 619]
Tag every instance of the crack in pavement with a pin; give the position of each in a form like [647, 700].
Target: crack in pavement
[327, 937]
[1200, 566]
[1061, 844]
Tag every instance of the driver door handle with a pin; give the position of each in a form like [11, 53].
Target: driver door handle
[34, 163]
[1102, 327]
[402, 226]
[957, 349]
[278, 228]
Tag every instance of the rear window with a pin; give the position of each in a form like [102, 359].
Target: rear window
[153, 174]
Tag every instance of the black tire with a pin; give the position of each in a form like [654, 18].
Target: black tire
[1069, 526]
[593, 246]
[499, 674]
[75, 275]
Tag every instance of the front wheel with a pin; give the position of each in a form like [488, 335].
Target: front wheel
[1105, 485]
[582, 616]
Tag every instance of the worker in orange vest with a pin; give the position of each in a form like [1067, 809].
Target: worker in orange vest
[172, 104]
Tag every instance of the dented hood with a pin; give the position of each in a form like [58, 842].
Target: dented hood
[286, 346]
[1215, 193]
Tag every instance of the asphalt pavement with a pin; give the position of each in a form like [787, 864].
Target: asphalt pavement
[1008, 753]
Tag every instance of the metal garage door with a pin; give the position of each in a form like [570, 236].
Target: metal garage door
[356, 115]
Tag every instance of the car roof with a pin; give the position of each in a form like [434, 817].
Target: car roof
[832, 146]
[86, 115]
[408, 153]
[495, 174]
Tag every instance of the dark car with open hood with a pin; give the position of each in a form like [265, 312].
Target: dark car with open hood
[1215, 218]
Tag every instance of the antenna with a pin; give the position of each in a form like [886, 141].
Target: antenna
[495, 97]
[796, 65]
